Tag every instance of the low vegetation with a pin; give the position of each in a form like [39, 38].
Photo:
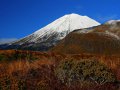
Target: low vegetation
[52, 71]
[71, 71]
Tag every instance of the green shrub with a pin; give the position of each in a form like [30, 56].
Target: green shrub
[2, 57]
[71, 71]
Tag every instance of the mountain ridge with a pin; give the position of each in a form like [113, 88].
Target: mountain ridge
[102, 39]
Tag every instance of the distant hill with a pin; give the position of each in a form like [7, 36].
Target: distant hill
[103, 39]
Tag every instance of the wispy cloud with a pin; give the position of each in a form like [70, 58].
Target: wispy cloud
[7, 40]
[102, 18]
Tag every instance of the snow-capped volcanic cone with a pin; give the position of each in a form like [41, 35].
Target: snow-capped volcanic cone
[51, 34]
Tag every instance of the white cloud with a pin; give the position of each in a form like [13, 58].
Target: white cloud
[6, 40]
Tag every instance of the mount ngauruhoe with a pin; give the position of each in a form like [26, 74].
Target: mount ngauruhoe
[50, 35]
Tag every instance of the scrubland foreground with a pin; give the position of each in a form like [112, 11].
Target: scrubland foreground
[27, 70]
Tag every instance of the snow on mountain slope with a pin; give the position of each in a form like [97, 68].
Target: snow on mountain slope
[67, 24]
[51, 34]
[61, 27]
[112, 22]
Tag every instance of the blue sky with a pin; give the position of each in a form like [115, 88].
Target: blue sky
[19, 18]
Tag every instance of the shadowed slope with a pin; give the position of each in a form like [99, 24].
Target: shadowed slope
[104, 39]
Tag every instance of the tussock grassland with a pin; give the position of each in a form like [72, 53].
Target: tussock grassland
[27, 70]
